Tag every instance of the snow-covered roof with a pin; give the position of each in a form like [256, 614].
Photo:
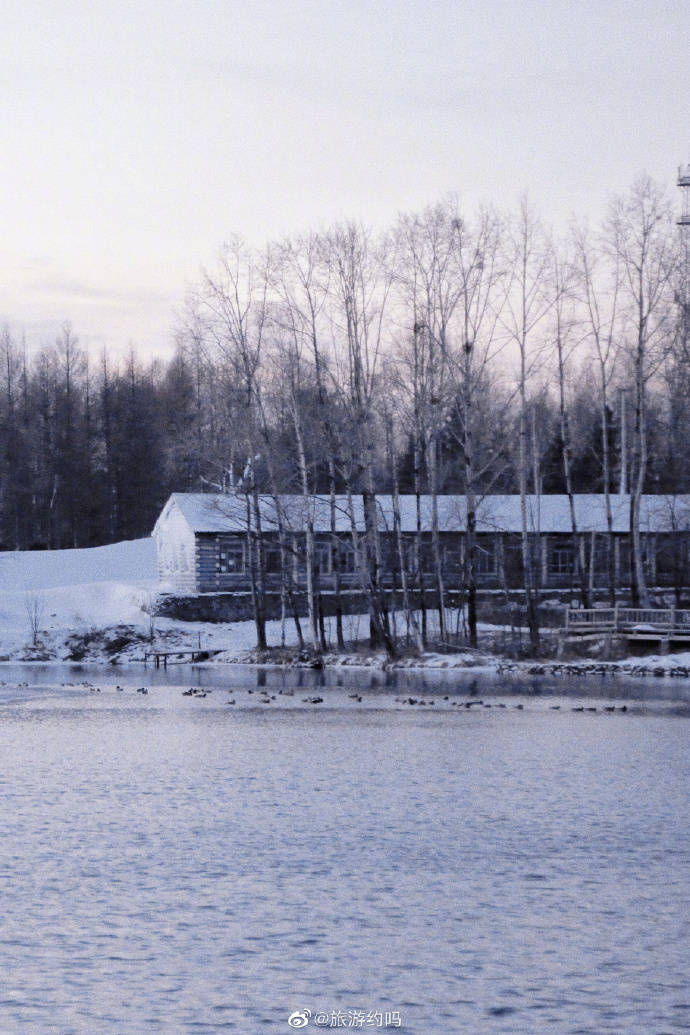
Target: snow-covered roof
[217, 513]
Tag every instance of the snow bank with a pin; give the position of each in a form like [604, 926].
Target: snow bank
[45, 569]
[76, 592]
[658, 663]
[71, 591]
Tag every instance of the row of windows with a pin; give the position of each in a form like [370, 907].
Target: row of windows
[232, 559]
[560, 558]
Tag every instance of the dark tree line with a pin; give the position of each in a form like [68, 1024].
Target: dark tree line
[92, 450]
[89, 450]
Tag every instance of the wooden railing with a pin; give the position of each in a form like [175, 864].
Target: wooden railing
[627, 619]
[590, 619]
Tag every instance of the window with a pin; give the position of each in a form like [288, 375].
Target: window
[562, 559]
[452, 559]
[486, 559]
[322, 557]
[423, 553]
[230, 558]
[649, 554]
[346, 558]
[272, 560]
[625, 559]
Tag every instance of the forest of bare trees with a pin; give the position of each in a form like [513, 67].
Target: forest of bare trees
[455, 352]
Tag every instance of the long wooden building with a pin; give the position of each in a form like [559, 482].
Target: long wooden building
[202, 540]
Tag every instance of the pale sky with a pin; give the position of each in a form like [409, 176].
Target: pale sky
[137, 135]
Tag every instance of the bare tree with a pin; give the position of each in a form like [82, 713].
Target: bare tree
[482, 282]
[562, 275]
[402, 558]
[360, 285]
[408, 378]
[231, 304]
[640, 238]
[599, 290]
[302, 292]
[527, 306]
[35, 605]
[425, 255]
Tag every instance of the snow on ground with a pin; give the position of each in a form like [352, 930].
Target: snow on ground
[61, 592]
[659, 664]
[643, 665]
[132, 561]
[87, 592]
[369, 658]
[97, 601]
[93, 593]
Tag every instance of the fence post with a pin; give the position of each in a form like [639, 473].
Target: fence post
[615, 618]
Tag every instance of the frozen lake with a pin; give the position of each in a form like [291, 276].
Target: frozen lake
[175, 864]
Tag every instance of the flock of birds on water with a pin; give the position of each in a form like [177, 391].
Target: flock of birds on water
[263, 697]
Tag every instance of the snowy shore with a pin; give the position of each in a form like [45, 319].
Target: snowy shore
[675, 665]
[94, 605]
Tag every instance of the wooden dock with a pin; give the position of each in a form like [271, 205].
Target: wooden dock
[159, 656]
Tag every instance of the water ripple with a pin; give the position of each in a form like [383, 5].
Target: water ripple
[166, 869]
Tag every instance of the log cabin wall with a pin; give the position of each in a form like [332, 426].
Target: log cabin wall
[220, 561]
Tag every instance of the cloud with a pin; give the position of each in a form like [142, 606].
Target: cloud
[73, 290]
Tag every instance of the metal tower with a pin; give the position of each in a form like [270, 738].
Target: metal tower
[683, 283]
[684, 184]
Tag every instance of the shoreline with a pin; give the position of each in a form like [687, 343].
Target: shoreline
[656, 666]
[463, 660]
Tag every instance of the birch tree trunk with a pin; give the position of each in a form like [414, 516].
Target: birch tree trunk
[562, 286]
[410, 617]
[600, 294]
[639, 237]
[527, 307]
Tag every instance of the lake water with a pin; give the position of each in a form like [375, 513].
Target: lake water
[182, 865]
